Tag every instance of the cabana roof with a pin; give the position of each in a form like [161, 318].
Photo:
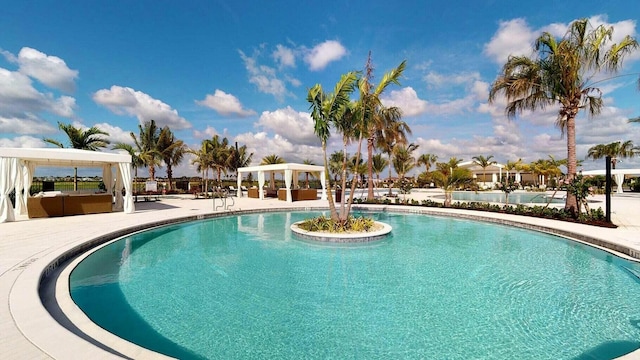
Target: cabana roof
[64, 157]
[282, 167]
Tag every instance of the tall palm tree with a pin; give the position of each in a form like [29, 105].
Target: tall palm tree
[484, 163]
[427, 160]
[513, 166]
[335, 165]
[89, 139]
[272, 159]
[403, 159]
[447, 168]
[221, 156]
[241, 157]
[379, 164]
[388, 138]
[147, 145]
[563, 73]
[616, 150]
[203, 160]
[325, 110]
[375, 116]
[171, 151]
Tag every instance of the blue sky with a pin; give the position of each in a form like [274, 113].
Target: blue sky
[242, 69]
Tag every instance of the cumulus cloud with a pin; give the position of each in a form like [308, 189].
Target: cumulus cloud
[208, 133]
[284, 56]
[116, 134]
[25, 125]
[127, 101]
[290, 124]
[322, 54]
[261, 144]
[407, 100]
[436, 80]
[19, 99]
[23, 142]
[49, 70]
[225, 104]
[264, 77]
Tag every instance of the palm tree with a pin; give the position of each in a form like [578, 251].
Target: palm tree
[326, 109]
[427, 160]
[451, 179]
[379, 163]
[375, 116]
[388, 138]
[221, 156]
[562, 73]
[136, 161]
[513, 166]
[241, 157]
[403, 160]
[203, 160]
[272, 159]
[615, 149]
[171, 151]
[335, 165]
[147, 145]
[89, 139]
[447, 168]
[484, 163]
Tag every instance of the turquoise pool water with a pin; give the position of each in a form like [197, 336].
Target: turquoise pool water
[514, 198]
[438, 288]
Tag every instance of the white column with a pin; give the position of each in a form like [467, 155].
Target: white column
[287, 184]
[125, 172]
[239, 183]
[324, 186]
[260, 184]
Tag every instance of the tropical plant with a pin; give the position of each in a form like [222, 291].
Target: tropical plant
[326, 111]
[335, 165]
[388, 138]
[89, 139]
[451, 179]
[147, 145]
[564, 73]
[403, 160]
[427, 160]
[379, 164]
[484, 163]
[307, 174]
[203, 159]
[447, 168]
[171, 151]
[616, 150]
[221, 156]
[240, 157]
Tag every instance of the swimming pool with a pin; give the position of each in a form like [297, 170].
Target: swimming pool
[514, 198]
[243, 287]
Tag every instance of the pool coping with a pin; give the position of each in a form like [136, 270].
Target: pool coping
[30, 313]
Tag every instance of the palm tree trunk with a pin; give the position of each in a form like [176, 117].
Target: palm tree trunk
[571, 203]
[169, 175]
[353, 183]
[370, 194]
[390, 174]
[332, 205]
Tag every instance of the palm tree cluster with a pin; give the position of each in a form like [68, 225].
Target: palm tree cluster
[218, 155]
[356, 120]
[616, 150]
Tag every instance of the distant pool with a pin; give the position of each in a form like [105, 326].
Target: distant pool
[241, 287]
[514, 198]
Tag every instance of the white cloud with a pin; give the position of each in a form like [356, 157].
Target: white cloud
[125, 100]
[264, 77]
[208, 133]
[19, 99]
[514, 37]
[407, 100]
[116, 134]
[225, 104]
[261, 144]
[26, 125]
[52, 71]
[23, 142]
[436, 80]
[290, 124]
[322, 54]
[284, 56]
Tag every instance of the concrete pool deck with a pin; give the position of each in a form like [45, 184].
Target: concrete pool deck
[28, 247]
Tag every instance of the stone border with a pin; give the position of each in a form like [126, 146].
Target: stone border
[342, 238]
[53, 287]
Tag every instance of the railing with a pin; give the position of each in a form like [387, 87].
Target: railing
[223, 195]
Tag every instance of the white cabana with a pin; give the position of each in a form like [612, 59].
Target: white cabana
[617, 174]
[291, 171]
[17, 166]
[495, 170]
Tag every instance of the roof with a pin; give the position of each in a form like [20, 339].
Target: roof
[65, 157]
[282, 167]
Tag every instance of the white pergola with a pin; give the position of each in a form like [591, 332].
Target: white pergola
[617, 174]
[17, 166]
[495, 170]
[290, 170]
